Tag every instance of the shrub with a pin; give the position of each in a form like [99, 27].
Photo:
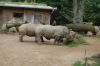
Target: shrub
[97, 22]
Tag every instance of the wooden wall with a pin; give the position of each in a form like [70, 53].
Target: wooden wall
[8, 14]
[30, 15]
[42, 18]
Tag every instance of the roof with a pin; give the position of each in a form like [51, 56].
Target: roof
[31, 6]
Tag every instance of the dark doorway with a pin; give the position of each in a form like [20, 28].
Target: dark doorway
[18, 15]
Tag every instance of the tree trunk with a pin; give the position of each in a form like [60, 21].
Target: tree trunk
[81, 10]
[34, 0]
[78, 6]
[25, 1]
[75, 8]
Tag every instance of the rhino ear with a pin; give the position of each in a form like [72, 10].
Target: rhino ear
[66, 32]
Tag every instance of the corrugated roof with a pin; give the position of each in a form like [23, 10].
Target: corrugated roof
[27, 6]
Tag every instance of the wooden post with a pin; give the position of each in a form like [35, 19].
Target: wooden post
[85, 58]
[24, 19]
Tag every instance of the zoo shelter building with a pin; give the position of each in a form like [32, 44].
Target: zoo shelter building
[32, 13]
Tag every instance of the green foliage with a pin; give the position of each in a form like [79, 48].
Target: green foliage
[78, 63]
[25, 3]
[60, 20]
[92, 10]
[98, 64]
[91, 61]
[0, 30]
[96, 59]
[96, 21]
[63, 7]
[6, 0]
[79, 40]
[80, 27]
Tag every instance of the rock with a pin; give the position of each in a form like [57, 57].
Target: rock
[13, 29]
[89, 33]
[98, 33]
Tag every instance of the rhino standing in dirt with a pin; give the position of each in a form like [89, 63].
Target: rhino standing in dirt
[29, 30]
[55, 32]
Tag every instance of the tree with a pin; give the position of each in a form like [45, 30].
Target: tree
[64, 10]
[92, 11]
[6, 0]
[26, 1]
[78, 6]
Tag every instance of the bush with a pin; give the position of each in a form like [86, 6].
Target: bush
[91, 61]
[97, 22]
[79, 40]
[81, 28]
[78, 63]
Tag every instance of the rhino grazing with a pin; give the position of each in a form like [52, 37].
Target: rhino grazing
[49, 32]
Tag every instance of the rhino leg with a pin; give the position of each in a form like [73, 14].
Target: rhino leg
[58, 39]
[42, 39]
[21, 38]
[55, 40]
[38, 39]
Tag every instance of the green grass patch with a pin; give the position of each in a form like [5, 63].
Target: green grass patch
[98, 37]
[79, 40]
[91, 61]
[0, 30]
[24, 3]
[78, 63]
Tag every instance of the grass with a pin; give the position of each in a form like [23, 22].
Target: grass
[0, 30]
[91, 61]
[78, 63]
[79, 40]
[98, 37]
[24, 3]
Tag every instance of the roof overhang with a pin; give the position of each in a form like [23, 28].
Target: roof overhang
[28, 6]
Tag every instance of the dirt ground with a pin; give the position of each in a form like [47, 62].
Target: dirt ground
[28, 53]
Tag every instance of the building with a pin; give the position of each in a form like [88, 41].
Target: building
[21, 12]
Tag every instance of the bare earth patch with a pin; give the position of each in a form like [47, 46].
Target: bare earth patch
[29, 53]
